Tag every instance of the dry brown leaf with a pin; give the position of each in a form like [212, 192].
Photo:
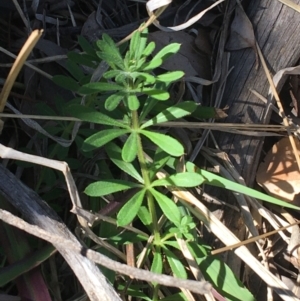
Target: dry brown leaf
[188, 59]
[241, 32]
[279, 174]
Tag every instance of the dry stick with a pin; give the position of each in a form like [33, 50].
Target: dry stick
[37, 212]
[252, 239]
[200, 287]
[224, 127]
[9, 153]
[281, 111]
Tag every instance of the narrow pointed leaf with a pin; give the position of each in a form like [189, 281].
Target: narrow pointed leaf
[102, 188]
[167, 51]
[144, 216]
[82, 59]
[91, 88]
[91, 115]
[108, 47]
[99, 139]
[178, 111]
[75, 70]
[130, 209]
[152, 64]
[159, 161]
[66, 82]
[111, 73]
[156, 93]
[138, 44]
[146, 77]
[114, 153]
[167, 206]
[175, 264]
[130, 148]
[215, 180]
[170, 76]
[149, 49]
[166, 143]
[216, 271]
[134, 44]
[157, 264]
[183, 179]
[86, 46]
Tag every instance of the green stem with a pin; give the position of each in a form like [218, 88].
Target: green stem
[145, 174]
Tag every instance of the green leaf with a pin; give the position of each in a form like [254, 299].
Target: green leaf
[167, 51]
[149, 49]
[127, 238]
[133, 102]
[167, 206]
[130, 147]
[91, 88]
[175, 264]
[86, 46]
[113, 101]
[114, 153]
[111, 73]
[75, 70]
[215, 180]
[101, 138]
[217, 272]
[155, 93]
[159, 161]
[175, 112]
[91, 115]
[146, 77]
[111, 60]
[102, 188]
[170, 76]
[166, 143]
[175, 297]
[121, 78]
[130, 209]
[82, 59]
[157, 264]
[134, 290]
[66, 82]
[184, 179]
[153, 64]
[110, 52]
[137, 44]
[144, 216]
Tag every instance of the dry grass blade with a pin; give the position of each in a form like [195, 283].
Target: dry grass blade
[189, 22]
[21, 58]
[281, 111]
[227, 237]
[291, 4]
[152, 18]
[252, 239]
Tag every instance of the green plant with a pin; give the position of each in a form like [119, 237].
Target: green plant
[124, 103]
